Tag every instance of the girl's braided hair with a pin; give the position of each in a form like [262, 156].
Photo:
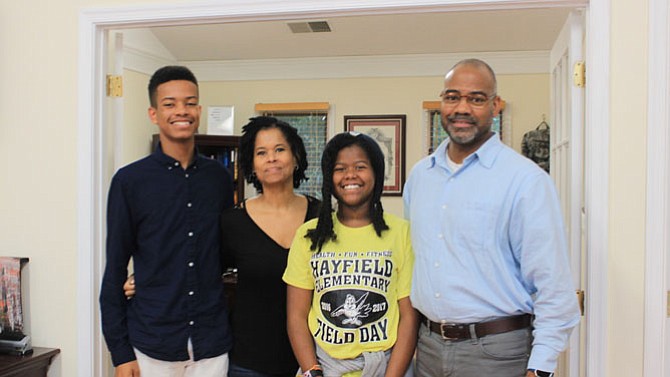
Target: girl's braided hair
[324, 227]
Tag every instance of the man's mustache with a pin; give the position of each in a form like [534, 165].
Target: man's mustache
[461, 118]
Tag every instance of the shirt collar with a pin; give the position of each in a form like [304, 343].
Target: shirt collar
[170, 162]
[486, 154]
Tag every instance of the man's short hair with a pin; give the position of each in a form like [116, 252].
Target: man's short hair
[477, 63]
[168, 73]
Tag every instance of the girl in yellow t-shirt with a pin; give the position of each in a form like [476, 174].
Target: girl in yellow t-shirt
[349, 273]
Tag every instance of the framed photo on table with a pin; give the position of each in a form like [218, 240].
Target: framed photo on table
[389, 132]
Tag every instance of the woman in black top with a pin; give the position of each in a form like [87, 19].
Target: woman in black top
[256, 238]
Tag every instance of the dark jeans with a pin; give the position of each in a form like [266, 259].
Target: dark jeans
[238, 371]
[500, 355]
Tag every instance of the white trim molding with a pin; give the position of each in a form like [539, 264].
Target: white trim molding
[143, 61]
[414, 65]
[596, 179]
[90, 189]
[514, 62]
[658, 174]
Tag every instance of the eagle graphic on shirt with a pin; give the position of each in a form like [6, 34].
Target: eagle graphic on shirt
[352, 309]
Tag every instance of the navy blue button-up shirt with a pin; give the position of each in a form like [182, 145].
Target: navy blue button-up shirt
[168, 220]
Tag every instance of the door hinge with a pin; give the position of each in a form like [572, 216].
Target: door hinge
[114, 86]
[579, 74]
[580, 300]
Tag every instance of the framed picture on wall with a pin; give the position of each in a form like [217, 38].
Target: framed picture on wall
[389, 132]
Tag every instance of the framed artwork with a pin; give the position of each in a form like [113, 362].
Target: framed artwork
[389, 132]
[11, 309]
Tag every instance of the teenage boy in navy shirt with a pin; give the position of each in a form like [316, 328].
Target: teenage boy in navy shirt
[164, 211]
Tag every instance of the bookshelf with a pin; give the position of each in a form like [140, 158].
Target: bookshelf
[224, 149]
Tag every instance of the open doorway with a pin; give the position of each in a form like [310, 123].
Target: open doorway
[101, 22]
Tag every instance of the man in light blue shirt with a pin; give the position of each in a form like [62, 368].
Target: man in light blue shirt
[491, 276]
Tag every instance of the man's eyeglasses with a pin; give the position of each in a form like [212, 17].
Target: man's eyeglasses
[476, 99]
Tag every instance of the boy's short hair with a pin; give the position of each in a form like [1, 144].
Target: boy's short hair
[165, 74]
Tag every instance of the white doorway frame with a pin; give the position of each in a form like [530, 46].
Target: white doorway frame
[94, 23]
[658, 199]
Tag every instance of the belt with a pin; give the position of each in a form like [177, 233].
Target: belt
[461, 331]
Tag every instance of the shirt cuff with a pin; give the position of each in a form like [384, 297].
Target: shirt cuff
[543, 358]
[123, 355]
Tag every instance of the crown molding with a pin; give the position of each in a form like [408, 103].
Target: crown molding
[418, 65]
[142, 61]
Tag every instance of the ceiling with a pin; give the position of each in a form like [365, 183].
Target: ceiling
[395, 34]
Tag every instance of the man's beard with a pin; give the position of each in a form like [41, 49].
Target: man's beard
[462, 136]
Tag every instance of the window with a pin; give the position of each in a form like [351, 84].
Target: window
[436, 134]
[311, 121]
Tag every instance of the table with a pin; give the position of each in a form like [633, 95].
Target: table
[34, 365]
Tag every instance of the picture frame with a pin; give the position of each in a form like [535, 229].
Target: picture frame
[389, 132]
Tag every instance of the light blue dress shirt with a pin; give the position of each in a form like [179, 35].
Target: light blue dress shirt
[489, 242]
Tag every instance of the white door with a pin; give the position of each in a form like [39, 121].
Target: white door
[567, 160]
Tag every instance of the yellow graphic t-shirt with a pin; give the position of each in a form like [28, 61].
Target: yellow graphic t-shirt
[357, 281]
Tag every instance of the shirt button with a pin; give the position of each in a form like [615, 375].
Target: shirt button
[189, 205]
[191, 323]
[437, 295]
[437, 264]
[190, 293]
[444, 206]
[176, 163]
[440, 236]
[190, 234]
[190, 264]
[186, 175]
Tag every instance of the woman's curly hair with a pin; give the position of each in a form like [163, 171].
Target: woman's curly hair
[324, 227]
[248, 143]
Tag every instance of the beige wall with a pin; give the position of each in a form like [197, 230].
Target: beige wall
[527, 98]
[38, 150]
[627, 189]
[38, 146]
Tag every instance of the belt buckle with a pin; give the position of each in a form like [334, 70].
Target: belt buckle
[445, 327]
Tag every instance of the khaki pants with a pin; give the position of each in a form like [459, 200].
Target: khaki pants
[212, 367]
[500, 355]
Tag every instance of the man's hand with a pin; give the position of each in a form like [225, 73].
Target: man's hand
[129, 369]
[129, 286]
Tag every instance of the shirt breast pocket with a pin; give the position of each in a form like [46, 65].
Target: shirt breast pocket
[472, 225]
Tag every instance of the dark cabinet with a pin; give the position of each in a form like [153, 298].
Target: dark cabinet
[224, 149]
[35, 364]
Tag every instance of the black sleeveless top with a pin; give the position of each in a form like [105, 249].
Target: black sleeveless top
[260, 339]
